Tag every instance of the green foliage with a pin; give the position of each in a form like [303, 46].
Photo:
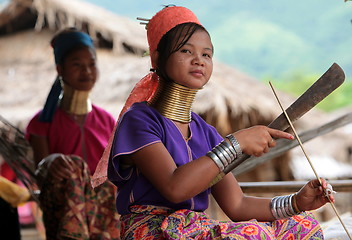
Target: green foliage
[265, 38]
[298, 82]
[269, 50]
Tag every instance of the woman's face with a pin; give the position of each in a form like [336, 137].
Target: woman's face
[192, 64]
[79, 69]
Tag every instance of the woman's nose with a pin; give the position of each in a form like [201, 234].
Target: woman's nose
[198, 60]
[86, 69]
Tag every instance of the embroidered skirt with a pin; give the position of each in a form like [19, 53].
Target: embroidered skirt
[151, 223]
[72, 209]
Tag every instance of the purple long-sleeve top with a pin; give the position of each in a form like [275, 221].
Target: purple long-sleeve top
[142, 126]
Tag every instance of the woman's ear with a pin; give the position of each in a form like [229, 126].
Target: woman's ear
[154, 57]
[59, 69]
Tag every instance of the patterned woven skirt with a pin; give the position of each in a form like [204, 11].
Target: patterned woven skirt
[72, 209]
[151, 223]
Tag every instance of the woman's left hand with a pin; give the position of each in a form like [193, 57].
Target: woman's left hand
[313, 195]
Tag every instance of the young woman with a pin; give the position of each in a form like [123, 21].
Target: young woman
[164, 156]
[68, 138]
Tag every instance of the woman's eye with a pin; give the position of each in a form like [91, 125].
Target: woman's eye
[185, 51]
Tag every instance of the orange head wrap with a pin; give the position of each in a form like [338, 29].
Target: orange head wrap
[164, 21]
[145, 89]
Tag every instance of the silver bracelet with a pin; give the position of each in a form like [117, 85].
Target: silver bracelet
[235, 144]
[229, 150]
[279, 207]
[291, 208]
[223, 154]
[217, 160]
[288, 206]
[282, 207]
[272, 207]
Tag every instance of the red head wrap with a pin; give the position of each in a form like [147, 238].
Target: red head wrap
[158, 26]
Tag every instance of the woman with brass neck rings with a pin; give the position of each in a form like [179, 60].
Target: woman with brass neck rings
[164, 156]
[68, 138]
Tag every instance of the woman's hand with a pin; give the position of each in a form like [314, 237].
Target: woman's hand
[258, 139]
[312, 195]
[61, 166]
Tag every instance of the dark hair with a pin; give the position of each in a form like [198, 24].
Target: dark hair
[172, 41]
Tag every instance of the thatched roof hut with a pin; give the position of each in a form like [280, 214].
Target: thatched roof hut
[26, 27]
[230, 101]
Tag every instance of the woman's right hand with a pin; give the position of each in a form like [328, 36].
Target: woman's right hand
[257, 140]
[61, 166]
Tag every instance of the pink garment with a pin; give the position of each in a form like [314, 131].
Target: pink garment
[66, 137]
